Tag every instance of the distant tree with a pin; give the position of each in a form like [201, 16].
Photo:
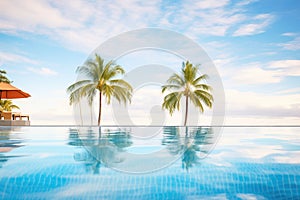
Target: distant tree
[3, 77]
[7, 105]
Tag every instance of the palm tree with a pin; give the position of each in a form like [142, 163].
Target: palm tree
[7, 105]
[3, 77]
[191, 86]
[102, 78]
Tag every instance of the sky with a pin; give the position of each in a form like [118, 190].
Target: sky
[254, 45]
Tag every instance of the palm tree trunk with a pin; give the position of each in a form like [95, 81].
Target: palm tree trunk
[99, 134]
[186, 109]
[186, 131]
[100, 108]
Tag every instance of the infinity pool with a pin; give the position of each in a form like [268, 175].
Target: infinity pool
[150, 163]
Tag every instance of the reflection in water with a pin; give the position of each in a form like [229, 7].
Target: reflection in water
[99, 148]
[122, 139]
[7, 144]
[172, 140]
[192, 146]
[74, 139]
[245, 164]
[106, 147]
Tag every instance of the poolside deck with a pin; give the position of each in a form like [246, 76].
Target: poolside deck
[14, 123]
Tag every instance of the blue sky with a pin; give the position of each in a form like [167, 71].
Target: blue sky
[254, 44]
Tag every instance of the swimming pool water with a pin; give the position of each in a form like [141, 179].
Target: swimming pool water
[171, 163]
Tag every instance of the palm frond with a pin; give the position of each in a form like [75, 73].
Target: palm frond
[100, 63]
[79, 92]
[75, 96]
[111, 71]
[122, 83]
[172, 101]
[107, 91]
[196, 101]
[91, 95]
[203, 87]
[206, 97]
[200, 78]
[14, 106]
[86, 89]
[170, 87]
[122, 94]
[7, 105]
[86, 70]
[189, 72]
[76, 85]
[176, 79]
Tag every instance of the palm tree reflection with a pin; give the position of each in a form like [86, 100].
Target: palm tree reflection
[192, 146]
[120, 138]
[99, 149]
[172, 140]
[105, 148]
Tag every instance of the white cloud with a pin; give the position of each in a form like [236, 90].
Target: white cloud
[213, 18]
[259, 24]
[222, 61]
[289, 34]
[289, 91]
[286, 67]
[257, 75]
[30, 15]
[206, 17]
[15, 58]
[207, 4]
[254, 108]
[292, 45]
[262, 105]
[215, 22]
[42, 71]
[82, 25]
[246, 2]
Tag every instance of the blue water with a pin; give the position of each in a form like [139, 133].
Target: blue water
[150, 163]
